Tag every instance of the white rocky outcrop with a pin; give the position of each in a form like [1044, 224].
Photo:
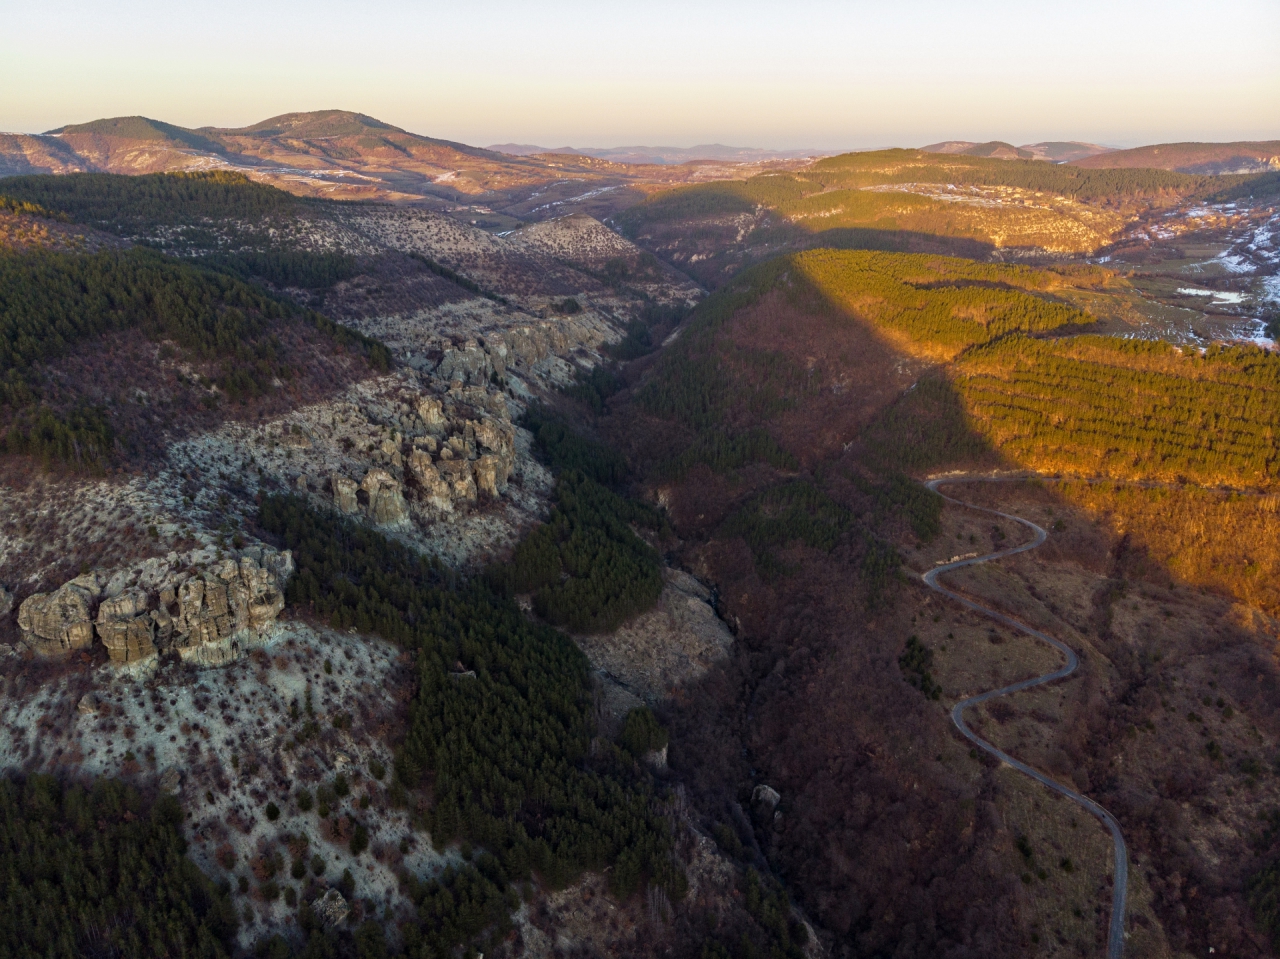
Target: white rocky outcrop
[441, 453]
[201, 605]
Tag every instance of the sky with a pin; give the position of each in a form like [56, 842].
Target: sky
[823, 74]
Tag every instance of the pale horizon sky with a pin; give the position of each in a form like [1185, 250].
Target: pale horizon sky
[815, 74]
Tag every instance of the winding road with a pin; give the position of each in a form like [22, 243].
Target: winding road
[1116, 935]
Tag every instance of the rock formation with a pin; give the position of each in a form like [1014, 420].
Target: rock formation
[62, 621]
[198, 605]
[384, 496]
[344, 494]
[331, 908]
[439, 453]
[6, 601]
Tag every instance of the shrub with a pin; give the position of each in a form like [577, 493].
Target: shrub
[359, 839]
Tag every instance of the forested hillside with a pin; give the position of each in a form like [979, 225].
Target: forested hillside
[500, 727]
[100, 871]
[725, 383]
[53, 304]
[1127, 409]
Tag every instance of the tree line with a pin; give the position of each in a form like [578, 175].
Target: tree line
[123, 204]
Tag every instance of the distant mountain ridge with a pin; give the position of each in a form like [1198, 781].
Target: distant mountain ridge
[342, 154]
[1054, 151]
[663, 155]
[1240, 156]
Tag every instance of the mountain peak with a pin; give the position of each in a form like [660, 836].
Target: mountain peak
[317, 123]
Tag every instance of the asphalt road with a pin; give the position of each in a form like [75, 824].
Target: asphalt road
[1116, 934]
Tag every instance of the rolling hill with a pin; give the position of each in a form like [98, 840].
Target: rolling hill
[1055, 151]
[346, 155]
[664, 155]
[1243, 156]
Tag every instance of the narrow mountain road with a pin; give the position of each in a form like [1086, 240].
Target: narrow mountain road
[1115, 937]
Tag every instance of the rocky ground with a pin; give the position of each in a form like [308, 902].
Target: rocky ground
[277, 757]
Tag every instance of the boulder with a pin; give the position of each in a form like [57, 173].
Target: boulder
[495, 436]
[88, 705]
[657, 758]
[431, 411]
[491, 474]
[470, 364]
[171, 781]
[60, 622]
[457, 473]
[431, 486]
[344, 494]
[331, 908]
[764, 799]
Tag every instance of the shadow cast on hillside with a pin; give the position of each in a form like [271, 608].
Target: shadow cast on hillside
[814, 702]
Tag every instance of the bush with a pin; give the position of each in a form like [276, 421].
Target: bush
[273, 811]
[914, 663]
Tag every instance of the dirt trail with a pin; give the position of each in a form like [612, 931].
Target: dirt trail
[1116, 935]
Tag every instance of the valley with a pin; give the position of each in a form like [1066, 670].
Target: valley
[462, 552]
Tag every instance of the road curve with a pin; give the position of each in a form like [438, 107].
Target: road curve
[1115, 937]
